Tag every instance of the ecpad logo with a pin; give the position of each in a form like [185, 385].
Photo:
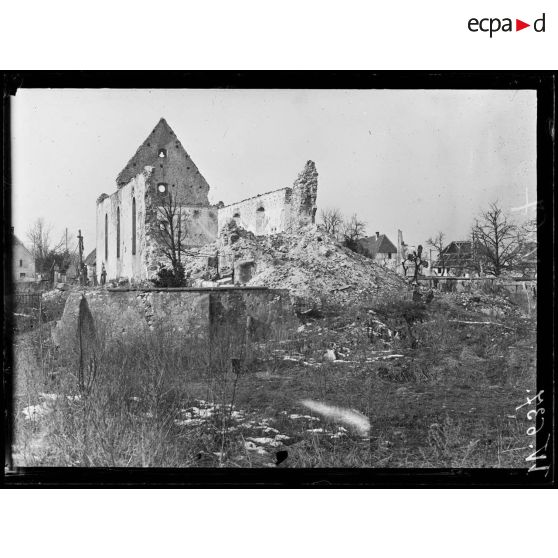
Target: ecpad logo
[493, 25]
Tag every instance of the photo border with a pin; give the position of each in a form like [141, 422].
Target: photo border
[544, 82]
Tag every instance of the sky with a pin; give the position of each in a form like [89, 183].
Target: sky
[422, 161]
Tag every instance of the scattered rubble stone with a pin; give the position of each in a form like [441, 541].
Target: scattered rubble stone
[310, 263]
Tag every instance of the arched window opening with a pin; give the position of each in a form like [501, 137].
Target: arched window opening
[106, 237]
[118, 232]
[236, 215]
[133, 226]
[260, 220]
[162, 153]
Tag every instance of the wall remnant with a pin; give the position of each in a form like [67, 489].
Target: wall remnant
[118, 314]
[282, 210]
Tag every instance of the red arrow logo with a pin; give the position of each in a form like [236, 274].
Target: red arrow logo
[519, 25]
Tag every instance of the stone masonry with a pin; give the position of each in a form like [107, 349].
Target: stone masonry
[127, 237]
[282, 210]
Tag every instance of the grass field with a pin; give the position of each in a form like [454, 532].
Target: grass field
[442, 393]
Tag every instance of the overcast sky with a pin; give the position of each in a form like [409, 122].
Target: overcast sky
[421, 161]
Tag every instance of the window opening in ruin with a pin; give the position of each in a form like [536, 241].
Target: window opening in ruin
[260, 216]
[21, 275]
[162, 153]
[20, 263]
[389, 255]
[133, 226]
[118, 232]
[106, 236]
[236, 216]
[162, 187]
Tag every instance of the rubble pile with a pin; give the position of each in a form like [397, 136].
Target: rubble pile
[491, 305]
[310, 263]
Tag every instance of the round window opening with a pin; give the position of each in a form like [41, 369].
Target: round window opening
[162, 188]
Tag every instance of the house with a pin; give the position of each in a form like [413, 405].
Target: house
[380, 249]
[161, 174]
[23, 262]
[455, 260]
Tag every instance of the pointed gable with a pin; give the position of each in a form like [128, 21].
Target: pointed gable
[147, 154]
[171, 165]
[372, 245]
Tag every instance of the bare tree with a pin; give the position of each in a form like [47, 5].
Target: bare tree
[495, 241]
[43, 249]
[415, 260]
[353, 230]
[332, 221]
[437, 242]
[171, 233]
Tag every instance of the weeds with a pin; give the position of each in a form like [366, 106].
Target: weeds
[441, 393]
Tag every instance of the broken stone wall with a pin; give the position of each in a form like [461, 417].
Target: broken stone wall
[281, 210]
[200, 224]
[263, 214]
[304, 194]
[118, 315]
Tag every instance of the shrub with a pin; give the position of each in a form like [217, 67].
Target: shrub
[168, 278]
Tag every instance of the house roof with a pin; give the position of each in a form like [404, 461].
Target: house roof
[91, 258]
[373, 245]
[458, 253]
[18, 241]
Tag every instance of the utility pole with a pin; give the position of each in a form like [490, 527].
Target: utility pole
[80, 248]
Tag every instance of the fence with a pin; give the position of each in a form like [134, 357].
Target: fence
[522, 293]
[26, 300]
[479, 282]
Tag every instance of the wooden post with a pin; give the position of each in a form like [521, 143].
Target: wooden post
[80, 248]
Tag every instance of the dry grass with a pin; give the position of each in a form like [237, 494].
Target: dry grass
[449, 401]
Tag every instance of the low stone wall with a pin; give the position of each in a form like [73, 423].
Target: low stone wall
[120, 314]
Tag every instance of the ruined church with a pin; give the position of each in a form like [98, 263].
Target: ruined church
[127, 240]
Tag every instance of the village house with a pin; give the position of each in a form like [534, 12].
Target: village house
[382, 250]
[128, 239]
[23, 266]
[455, 260]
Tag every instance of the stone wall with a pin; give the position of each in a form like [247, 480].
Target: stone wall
[129, 265]
[199, 223]
[267, 213]
[280, 210]
[303, 201]
[118, 315]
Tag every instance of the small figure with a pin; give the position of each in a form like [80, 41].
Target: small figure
[103, 274]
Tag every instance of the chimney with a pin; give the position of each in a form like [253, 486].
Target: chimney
[377, 235]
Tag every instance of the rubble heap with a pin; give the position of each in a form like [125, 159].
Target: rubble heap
[310, 263]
